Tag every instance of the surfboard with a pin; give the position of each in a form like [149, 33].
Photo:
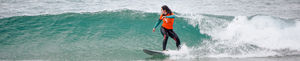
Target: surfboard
[154, 53]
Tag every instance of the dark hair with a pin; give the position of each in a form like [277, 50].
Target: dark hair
[165, 7]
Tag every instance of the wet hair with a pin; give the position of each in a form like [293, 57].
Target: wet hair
[165, 7]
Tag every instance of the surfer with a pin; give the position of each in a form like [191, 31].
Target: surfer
[167, 27]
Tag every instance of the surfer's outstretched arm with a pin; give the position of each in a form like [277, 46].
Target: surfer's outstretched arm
[171, 16]
[157, 23]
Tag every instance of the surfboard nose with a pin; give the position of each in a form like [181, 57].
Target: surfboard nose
[153, 52]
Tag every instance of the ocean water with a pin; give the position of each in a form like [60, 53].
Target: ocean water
[107, 30]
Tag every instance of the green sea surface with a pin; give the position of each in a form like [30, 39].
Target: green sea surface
[105, 35]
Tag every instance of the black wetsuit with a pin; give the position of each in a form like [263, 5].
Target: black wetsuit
[169, 32]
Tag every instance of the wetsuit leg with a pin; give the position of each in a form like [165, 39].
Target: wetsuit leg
[173, 35]
[165, 34]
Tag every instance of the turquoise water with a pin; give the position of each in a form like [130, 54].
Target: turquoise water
[106, 35]
[106, 30]
[122, 34]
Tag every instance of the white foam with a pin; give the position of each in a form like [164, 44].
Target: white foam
[183, 53]
[256, 36]
[264, 31]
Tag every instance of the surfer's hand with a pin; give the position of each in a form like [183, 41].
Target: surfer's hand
[164, 17]
[153, 30]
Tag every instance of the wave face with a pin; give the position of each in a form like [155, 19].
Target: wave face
[121, 35]
[103, 35]
[120, 29]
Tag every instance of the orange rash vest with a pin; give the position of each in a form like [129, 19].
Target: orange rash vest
[167, 22]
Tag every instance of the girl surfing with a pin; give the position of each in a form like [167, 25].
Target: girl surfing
[167, 26]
